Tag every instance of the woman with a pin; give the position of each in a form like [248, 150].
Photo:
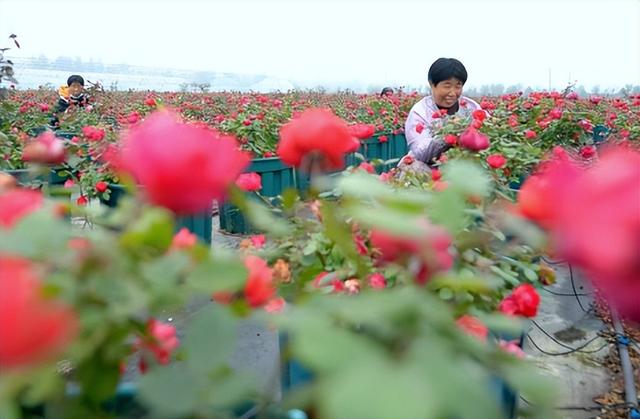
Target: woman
[447, 76]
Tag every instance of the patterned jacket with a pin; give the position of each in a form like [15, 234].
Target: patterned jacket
[422, 145]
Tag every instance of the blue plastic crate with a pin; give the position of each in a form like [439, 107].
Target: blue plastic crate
[199, 224]
[276, 177]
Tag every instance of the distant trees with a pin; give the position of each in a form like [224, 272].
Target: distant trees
[204, 81]
[500, 89]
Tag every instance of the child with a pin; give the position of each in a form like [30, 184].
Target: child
[72, 94]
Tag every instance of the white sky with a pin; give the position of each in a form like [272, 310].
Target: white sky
[382, 42]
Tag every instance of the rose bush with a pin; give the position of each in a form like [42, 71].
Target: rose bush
[377, 281]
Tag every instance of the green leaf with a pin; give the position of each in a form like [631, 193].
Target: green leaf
[390, 391]
[466, 177]
[124, 297]
[505, 327]
[511, 279]
[170, 391]
[530, 274]
[535, 387]
[259, 216]
[10, 410]
[37, 236]
[361, 186]
[340, 232]
[98, 378]
[289, 198]
[221, 273]
[165, 271]
[310, 248]
[528, 232]
[232, 390]
[434, 358]
[445, 293]
[44, 386]
[461, 283]
[448, 210]
[393, 221]
[210, 339]
[323, 346]
[153, 232]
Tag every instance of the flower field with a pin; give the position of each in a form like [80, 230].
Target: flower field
[398, 291]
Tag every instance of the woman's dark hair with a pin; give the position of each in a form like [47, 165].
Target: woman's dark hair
[445, 68]
[75, 79]
[386, 91]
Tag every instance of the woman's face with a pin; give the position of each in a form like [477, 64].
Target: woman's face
[447, 92]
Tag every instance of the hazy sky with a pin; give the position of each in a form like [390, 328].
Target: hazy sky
[380, 42]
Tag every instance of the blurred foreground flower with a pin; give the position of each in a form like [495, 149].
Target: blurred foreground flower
[182, 167]
[34, 328]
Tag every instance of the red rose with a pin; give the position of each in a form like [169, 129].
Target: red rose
[367, 167]
[102, 186]
[530, 134]
[249, 182]
[496, 161]
[598, 225]
[259, 288]
[182, 167]
[383, 139]
[451, 139]
[161, 341]
[430, 248]
[17, 203]
[47, 149]
[275, 305]
[34, 328]
[555, 113]
[133, 117]
[258, 240]
[361, 246]
[436, 174]
[385, 177]
[362, 131]
[93, 133]
[473, 326]
[523, 301]
[320, 281]
[588, 152]
[485, 104]
[586, 125]
[82, 201]
[419, 128]
[473, 140]
[512, 347]
[184, 239]
[316, 130]
[533, 200]
[539, 196]
[377, 281]
[479, 115]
